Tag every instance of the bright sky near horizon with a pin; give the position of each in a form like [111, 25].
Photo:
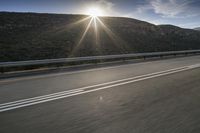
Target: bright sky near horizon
[183, 13]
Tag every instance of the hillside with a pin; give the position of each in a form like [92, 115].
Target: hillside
[28, 36]
[198, 28]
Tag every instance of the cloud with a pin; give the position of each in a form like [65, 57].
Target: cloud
[174, 8]
[171, 8]
[144, 8]
[106, 4]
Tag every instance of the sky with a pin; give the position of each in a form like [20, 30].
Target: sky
[183, 13]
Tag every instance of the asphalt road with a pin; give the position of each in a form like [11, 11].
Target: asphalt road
[150, 97]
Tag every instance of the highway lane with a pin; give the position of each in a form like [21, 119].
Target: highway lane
[33, 86]
[55, 96]
[168, 103]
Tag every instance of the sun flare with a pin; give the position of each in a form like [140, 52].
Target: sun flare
[95, 12]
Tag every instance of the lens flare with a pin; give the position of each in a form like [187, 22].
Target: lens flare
[94, 12]
[97, 25]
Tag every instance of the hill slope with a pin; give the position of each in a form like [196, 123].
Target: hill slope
[198, 28]
[27, 36]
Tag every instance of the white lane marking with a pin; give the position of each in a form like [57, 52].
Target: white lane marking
[194, 66]
[39, 98]
[87, 87]
[102, 88]
[79, 71]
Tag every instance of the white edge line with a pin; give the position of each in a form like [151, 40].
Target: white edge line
[69, 73]
[110, 86]
[37, 99]
[87, 87]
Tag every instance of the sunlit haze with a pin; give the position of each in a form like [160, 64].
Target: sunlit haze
[94, 12]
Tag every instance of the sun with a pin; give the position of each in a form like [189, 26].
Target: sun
[95, 12]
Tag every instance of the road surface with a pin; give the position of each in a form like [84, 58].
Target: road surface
[150, 97]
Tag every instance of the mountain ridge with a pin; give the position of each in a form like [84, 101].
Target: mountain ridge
[28, 36]
[197, 28]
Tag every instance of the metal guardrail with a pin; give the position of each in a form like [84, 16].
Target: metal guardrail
[93, 58]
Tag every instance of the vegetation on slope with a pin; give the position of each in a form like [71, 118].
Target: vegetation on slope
[29, 36]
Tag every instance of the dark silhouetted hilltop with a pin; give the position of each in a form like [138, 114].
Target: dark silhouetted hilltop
[28, 36]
